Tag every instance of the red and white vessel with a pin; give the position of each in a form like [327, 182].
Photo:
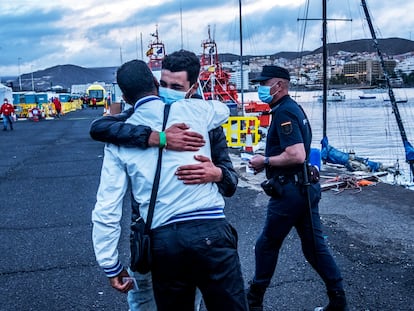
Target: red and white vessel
[215, 81]
[156, 52]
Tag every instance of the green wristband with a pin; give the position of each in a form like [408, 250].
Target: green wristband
[163, 139]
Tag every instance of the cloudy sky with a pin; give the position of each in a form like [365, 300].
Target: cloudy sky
[39, 34]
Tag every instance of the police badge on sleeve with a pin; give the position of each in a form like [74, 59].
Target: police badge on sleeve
[287, 127]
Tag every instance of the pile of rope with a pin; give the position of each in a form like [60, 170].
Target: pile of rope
[350, 182]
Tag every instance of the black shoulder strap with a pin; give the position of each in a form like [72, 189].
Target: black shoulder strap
[156, 178]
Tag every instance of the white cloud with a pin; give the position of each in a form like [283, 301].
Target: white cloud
[91, 33]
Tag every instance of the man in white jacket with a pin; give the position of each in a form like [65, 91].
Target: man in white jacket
[192, 243]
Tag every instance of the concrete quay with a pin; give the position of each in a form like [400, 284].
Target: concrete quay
[49, 174]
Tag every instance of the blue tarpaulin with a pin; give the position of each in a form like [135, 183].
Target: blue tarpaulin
[409, 152]
[335, 156]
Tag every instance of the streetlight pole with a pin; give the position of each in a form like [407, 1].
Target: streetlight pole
[32, 78]
[20, 78]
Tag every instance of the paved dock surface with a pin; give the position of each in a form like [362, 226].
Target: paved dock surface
[49, 174]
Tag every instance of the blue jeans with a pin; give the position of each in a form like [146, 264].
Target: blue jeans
[142, 297]
[7, 120]
[283, 213]
[197, 254]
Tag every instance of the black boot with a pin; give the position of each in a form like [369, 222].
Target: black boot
[255, 295]
[337, 302]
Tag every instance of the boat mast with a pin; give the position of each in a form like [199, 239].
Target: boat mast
[241, 56]
[394, 106]
[324, 61]
[324, 68]
[181, 25]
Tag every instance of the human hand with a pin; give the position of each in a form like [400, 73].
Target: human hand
[180, 139]
[118, 284]
[199, 173]
[257, 163]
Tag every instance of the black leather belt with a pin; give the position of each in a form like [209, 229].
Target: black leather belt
[293, 178]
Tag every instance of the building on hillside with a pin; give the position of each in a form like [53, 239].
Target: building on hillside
[367, 71]
[236, 78]
[405, 66]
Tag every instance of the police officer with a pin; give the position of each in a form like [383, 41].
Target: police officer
[287, 148]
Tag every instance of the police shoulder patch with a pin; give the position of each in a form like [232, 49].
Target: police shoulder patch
[286, 127]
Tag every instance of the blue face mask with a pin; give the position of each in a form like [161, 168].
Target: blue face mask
[264, 94]
[170, 96]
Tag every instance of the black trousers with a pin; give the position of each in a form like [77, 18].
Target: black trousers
[284, 213]
[197, 253]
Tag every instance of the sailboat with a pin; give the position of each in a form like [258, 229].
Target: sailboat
[329, 154]
[409, 150]
[334, 96]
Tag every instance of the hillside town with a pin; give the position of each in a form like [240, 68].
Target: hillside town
[344, 68]
[347, 68]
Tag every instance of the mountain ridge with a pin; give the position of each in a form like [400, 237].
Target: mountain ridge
[390, 46]
[68, 74]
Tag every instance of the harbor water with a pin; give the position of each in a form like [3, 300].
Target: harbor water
[365, 126]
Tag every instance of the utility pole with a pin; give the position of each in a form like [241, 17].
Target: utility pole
[181, 24]
[20, 77]
[142, 48]
[31, 67]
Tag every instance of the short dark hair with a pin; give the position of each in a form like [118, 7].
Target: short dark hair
[183, 60]
[135, 80]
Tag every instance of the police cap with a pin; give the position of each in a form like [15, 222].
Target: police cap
[269, 72]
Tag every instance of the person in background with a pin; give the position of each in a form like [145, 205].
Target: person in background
[58, 107]
[94, 106]
[180, 71]
[287, 150]
[6, 111]
[84, 100]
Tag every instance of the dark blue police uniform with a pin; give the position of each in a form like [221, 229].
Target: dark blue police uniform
[290, 126]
